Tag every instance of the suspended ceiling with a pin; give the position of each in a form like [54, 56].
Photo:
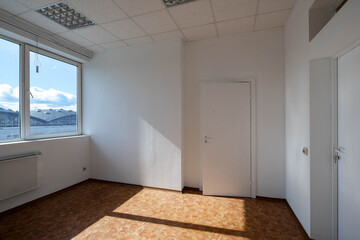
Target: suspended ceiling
[128, 22]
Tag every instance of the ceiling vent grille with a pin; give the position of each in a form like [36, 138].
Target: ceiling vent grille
[63, 14]
[170, 3]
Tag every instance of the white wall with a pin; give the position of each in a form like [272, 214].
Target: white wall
[62, 160]
[259, 55]
[297, 111]
[133, 111]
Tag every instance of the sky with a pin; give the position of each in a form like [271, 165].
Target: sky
[53, 87]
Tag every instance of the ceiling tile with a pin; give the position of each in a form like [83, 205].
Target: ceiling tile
[13, 7]
[42, 21]
[96, 34]
[200, 32]
[124, 29]
[236, 26]
[230, 9]
[156, 22]
[192, 14]
[139, 40]
[98, 11]
[271, 20]
[113, 45]
[275, 5]
[95, 48]
[75, 38]
[137, 7]
[35, 4]
[167, 35]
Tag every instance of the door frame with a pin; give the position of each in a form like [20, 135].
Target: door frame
[334, 140]
[253, 128]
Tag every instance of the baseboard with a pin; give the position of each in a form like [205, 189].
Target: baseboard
[162, 189]
[101, 180]
[271, 199]
[137, 185]
[191, 188]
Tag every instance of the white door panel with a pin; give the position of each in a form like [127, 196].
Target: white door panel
[349, 142]
[225, 119]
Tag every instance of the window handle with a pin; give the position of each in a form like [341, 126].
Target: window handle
[32, 96]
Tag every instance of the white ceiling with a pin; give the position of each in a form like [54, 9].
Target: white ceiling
[128, 22]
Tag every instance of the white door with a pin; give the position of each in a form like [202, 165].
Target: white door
[349, 145]
[225, 138]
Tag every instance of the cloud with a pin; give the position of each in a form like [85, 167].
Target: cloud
[43, 99]
[9, 97]
[8, 93]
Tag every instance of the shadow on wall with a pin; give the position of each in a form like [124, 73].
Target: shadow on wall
[160, 158]
[142, 155]
[132, 111]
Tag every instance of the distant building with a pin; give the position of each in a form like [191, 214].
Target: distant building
[9, 118]
[50, 117]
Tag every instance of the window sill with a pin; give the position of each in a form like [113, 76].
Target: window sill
[43, 139]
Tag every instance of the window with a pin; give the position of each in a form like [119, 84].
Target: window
[48, 102]
[9, 90]
[53, 95]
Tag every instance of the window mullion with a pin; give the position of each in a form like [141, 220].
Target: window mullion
[79, 99]
[25, 94]
[22, 91]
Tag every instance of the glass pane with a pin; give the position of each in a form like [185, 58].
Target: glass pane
[9, 90]
[53, 99]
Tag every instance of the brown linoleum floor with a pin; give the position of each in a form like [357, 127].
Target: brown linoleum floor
[104, 210]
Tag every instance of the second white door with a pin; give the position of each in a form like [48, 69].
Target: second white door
[349, 145]
[225, 138]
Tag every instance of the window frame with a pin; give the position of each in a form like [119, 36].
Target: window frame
[21, 77]
[26, 95]
[24, 92]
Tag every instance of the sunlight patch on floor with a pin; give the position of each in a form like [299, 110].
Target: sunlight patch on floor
[226, 213]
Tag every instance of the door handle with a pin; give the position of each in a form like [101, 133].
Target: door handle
[207, 138]
[339, 151]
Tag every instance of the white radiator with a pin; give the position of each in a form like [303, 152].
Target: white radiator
[19, 174]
